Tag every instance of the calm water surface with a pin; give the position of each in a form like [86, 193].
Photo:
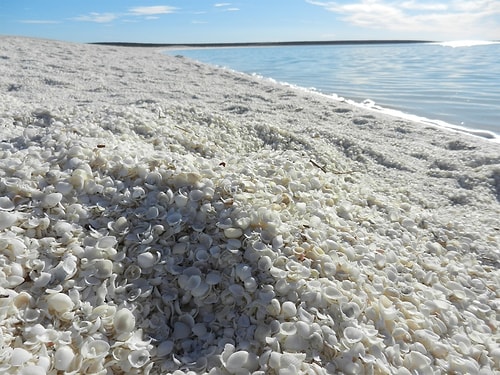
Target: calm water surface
[460, 86]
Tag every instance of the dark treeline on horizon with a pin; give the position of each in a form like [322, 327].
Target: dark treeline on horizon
[261, 44]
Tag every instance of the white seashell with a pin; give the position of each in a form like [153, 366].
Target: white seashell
[103, 268]
[51, 200]
[19, 356]
[241, 360]
[60, 303]
[94, 349]
[332, 293]
[146, 260]
[106, 242]
[63, 358]
[353, 335]
[32, 370]
[200, 290]
[174, 218]
[31, 315]
[243, 271]
[250, 284]
[233, 244]
[138, 358]
[288, 309]
[291, 362]
[6, 204]
[138, 192]
[14, 280]
[181, 200]
[123, 321]
[202, 255]
[417, 361]
[288, 328]
[133, 272]
[119, 225]
[236, 290]
[196, 195]
[7, 219]
[294, 343]
[350, 310]
[303, 329]
[233, 232]
[64, 187]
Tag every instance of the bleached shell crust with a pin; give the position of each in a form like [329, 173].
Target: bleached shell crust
[220, 248]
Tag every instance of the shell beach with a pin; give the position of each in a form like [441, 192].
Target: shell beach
[162, 216]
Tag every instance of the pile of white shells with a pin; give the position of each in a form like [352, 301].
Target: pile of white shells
[187, 244]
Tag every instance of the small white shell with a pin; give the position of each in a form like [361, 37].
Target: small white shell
[123, 321]
[32, 370]
[106, 242]
[64, 187]
[288, 309]
[174, 219]
[63, 357]
[19, 356]
[6, 204]
[94, 349]
[196, 195]
[138, 358]
[146, 260]
[60, 302]
[242, 360]
[7, 219]
[350, 310]
[233, 232]
[353, 335]
[103, 268]
[51, 200]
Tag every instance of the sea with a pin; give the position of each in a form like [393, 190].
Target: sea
[450, 84]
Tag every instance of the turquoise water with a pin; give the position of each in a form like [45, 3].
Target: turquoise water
[458, 86]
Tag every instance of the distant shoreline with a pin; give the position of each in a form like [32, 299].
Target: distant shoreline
[262, 44]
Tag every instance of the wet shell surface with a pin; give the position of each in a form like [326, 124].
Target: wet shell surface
[146, 231]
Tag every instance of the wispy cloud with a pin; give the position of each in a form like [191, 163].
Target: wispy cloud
[226, 7]
[152, 10]
[97, 17]
[40, 22]
[456, 17]
[148, 13]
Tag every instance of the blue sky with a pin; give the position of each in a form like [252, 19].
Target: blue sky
[201, 21]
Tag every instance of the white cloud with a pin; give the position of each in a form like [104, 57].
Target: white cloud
[232, 9]
[149, 13]
[97, 17]
[222, 5]
[152, 10]
[39, 22]
[424, 6]
[457, 17]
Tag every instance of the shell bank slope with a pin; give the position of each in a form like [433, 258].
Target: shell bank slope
[161, 215]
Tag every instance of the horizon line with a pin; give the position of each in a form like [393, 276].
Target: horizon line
[257, 44]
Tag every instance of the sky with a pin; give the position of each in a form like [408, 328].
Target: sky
[204, 21]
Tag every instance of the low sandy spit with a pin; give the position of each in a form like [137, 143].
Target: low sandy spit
[158, 215]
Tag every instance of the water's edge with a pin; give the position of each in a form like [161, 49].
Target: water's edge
[366, 104]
